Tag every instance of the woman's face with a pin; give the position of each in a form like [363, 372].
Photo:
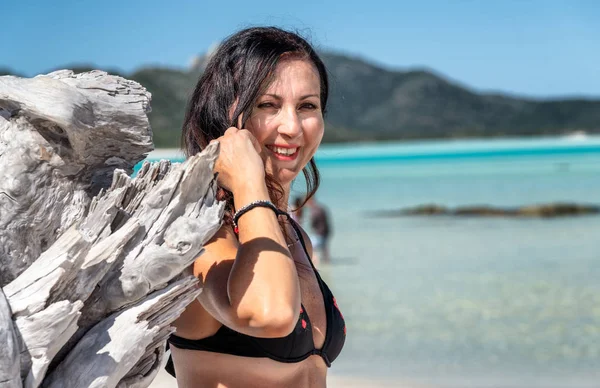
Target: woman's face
[287, 119]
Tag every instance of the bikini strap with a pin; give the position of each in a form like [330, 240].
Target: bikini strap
[296, 227]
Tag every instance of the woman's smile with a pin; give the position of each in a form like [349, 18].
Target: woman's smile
[284, 152]
[287, 119]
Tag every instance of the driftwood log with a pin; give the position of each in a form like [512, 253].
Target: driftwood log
[92, 262]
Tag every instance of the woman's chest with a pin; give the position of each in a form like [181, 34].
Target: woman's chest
[313, 303]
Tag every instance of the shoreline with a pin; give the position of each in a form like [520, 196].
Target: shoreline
[439, 148]
[165, 380]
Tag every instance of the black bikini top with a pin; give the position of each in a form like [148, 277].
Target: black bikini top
[295, 347]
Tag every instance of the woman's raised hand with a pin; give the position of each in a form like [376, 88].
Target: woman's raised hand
[239, 162]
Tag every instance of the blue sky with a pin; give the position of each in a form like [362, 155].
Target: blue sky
[531, 48]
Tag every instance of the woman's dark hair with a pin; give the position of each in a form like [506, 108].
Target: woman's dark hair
[239, 71]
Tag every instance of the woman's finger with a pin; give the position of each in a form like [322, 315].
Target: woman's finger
[231, 131]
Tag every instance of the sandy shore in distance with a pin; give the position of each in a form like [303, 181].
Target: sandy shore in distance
[164, 380]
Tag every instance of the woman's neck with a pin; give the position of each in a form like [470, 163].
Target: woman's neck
[285, 198]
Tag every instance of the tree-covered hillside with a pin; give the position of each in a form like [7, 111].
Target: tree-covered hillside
[369, 102]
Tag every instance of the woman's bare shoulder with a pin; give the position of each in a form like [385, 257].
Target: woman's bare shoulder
[212, 268]
[223, 246]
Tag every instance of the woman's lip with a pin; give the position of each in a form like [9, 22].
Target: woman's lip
[284, 157]
[283, 146]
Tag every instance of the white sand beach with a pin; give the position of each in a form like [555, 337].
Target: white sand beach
[164, 380]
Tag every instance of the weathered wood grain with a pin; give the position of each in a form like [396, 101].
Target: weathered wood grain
[95, 264]
[61, 138]
[105, 355]
[9, 349]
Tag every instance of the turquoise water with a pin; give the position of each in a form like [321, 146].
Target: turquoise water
[466, 302]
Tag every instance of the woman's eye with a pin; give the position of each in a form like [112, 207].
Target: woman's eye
[309, 105]
[266, 105]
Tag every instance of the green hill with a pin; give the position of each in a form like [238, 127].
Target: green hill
[386, 104]
[369, 102]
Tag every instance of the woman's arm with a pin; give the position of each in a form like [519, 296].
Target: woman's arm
[258, 292]
[252, 285]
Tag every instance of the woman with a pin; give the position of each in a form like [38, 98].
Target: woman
[265, 318]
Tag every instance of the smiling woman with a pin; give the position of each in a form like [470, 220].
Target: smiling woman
[265, 317]
[287, 120]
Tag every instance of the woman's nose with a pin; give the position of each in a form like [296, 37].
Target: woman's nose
[290, 124]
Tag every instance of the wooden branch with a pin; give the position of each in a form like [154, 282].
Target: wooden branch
[109, 271]
[62, 136]
[92, 284]
[106, 354]
[44, 333]
[9, 350]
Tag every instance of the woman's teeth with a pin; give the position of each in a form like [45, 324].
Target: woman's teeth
[284, 151]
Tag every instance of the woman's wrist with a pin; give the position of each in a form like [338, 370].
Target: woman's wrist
[252, 205]
[248, 192]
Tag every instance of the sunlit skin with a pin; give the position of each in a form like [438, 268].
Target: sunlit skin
[289, 114]
[259, 293]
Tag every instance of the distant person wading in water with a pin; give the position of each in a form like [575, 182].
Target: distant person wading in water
[265, 318]
[297, 210]
[321, 230]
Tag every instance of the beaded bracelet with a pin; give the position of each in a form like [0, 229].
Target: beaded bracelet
[246, 208]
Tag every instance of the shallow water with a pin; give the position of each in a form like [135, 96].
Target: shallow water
[445, 301]
[467, 301]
